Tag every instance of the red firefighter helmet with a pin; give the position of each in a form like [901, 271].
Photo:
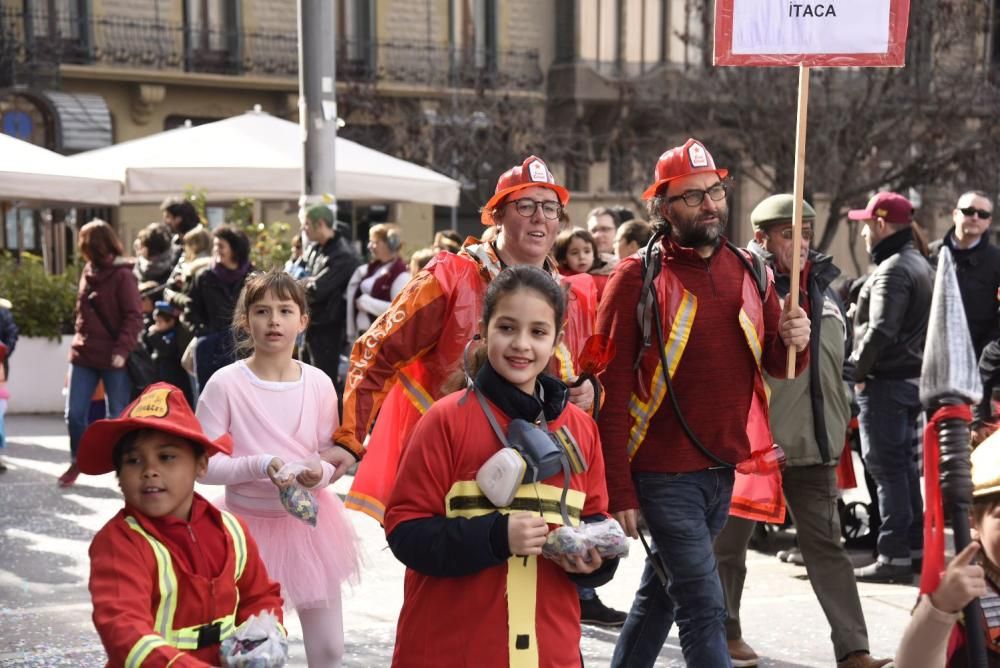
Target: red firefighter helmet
[691, 158]
[532, 172]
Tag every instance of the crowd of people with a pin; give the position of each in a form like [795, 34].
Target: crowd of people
[460, 359]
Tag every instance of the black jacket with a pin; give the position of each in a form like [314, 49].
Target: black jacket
[890, 323]
[212, 302]
[331, 265]
[978, 271]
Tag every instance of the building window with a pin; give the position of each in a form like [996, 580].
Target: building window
[60, 26]
[599, 32]
[474, 34]
[212, 36]
[356, 36]
[644, 38]
[994, 54]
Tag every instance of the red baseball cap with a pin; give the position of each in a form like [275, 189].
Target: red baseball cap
[530, 173]
[691, 158]
[892, 207]
[162, 407]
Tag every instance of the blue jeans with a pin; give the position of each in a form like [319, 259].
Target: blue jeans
[82, 383]
[684, 512]
[889, 410]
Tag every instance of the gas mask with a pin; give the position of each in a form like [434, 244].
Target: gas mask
[530, 454]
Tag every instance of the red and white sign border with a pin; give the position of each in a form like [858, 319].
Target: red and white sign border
[895, 56]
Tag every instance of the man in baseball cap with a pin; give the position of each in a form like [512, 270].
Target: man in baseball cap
[890, 324]
[673, 458]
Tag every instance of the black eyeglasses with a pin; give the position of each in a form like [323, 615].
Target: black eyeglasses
[717, 193]
[981, 214]
[526, 207]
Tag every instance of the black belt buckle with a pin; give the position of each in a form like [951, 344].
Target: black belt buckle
[209, 634]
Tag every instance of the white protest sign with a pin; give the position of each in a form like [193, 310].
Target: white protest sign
[804, 26]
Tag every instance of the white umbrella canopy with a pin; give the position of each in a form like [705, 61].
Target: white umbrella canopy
[32, 173]
[257, 155]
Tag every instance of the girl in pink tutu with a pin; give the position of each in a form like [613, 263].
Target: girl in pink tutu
[280, 411]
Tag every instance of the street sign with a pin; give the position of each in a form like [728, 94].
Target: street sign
[813, 33]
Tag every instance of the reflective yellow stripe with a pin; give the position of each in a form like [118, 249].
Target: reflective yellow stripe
[239, 541]
[142, 649]
[522, 583]
[418, 396]
[642, 412]
[166, 580]
[750, 332]
[465, 499]
[368, 505]
[565, 359]
[185, 638]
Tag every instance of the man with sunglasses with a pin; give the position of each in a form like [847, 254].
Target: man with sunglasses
[977, 263]
[696, 325]
[809, 417]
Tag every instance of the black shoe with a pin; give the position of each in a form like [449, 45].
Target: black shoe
[593, 611]
[884, 572]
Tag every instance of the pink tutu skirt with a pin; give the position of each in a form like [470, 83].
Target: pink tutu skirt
[309, 562]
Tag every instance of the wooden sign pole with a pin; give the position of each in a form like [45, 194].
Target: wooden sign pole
[800, 170]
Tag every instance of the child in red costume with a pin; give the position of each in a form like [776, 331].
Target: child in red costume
[476, 591]
[170, 575]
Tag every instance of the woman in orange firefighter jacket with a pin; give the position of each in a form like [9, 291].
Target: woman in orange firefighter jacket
[398, 366]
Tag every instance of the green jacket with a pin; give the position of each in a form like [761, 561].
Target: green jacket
[806, 440]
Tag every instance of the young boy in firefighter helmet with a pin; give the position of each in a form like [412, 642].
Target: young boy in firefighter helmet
[170, 575]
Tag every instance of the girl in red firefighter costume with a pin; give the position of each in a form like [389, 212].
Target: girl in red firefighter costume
[278, 411]
[170, 575]
[476, 591]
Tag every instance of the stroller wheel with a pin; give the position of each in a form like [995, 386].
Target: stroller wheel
[855, 523]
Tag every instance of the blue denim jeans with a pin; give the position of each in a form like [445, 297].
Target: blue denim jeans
[82, 383]
[889, 410]
[684, 512]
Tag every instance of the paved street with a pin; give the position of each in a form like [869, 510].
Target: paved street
[45, 607]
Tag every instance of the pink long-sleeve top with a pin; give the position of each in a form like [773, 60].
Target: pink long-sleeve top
[289, 420]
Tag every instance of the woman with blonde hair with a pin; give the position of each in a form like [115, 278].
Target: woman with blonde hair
[374, 285]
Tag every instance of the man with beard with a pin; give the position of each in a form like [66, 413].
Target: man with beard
[709, 324]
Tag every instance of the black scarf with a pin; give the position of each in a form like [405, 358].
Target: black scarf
[891, 245]
[518, 404]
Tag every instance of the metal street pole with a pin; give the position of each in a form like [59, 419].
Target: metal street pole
[317, 99]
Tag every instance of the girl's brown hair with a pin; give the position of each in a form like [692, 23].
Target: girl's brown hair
[566, 238]
[99, 244]
[258, 286]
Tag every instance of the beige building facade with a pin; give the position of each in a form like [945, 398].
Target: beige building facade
[413, 76]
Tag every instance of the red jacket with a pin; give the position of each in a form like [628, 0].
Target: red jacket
[125, 586]
[714, 379]
[529, 601]
[116, 294]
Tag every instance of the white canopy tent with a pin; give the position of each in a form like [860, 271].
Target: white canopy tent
[30, 173]
[256, 155]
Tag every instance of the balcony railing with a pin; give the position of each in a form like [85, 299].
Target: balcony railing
[33, 45]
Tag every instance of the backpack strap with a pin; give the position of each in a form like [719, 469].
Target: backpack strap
[755, 265]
